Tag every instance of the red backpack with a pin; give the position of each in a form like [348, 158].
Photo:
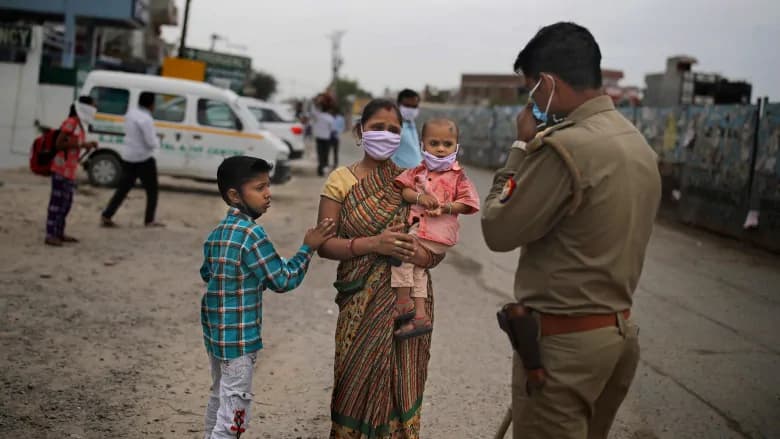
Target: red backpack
[43, 151]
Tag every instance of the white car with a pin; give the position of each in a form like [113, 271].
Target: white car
[198, 125]
[279, 120]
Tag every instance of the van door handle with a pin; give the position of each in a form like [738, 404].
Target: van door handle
[197, 136]
[178, 136]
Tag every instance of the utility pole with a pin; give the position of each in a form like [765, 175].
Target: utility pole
[183, 41]
[336, 59]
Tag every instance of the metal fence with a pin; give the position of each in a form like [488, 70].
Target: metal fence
[717, 162]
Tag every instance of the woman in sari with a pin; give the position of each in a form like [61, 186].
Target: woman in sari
[378, 381]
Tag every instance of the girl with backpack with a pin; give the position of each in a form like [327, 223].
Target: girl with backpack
[71, 139]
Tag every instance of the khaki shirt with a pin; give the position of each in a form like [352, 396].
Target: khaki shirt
[581, 204]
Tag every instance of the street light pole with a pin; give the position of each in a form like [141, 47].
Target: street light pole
[336, 59]
[183, 41]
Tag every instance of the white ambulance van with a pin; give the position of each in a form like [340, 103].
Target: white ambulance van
[198, 125]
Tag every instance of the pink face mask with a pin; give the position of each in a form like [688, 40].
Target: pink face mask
[439, 164]
[380, 145]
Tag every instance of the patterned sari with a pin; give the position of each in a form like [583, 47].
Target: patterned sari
[378, 381]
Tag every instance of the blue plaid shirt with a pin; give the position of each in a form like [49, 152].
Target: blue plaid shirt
[239, 263]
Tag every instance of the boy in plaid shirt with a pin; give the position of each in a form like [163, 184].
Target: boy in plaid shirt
[239, 263]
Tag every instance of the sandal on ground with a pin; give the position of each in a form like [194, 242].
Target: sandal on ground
[107, 222]
[414, 328]
[403, 311]
[54, 242]
[154, 224]
[66, 238]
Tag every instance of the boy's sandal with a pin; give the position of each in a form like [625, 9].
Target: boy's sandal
[403, 311]
[66, 238]
[414, 328]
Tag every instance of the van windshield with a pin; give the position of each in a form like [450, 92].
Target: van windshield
[267, 115]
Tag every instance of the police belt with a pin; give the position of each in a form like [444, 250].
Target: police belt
[552, 324]
[524, 330]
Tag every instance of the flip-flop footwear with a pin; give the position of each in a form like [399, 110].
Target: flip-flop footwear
[414, 328]
[404, 311]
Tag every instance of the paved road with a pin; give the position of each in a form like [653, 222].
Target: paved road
[708, 310]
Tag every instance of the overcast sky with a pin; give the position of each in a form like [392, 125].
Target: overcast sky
[410, 43]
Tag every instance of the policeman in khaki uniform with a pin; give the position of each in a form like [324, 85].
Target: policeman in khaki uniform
[579, 198]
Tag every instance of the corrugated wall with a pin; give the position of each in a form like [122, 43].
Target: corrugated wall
[717, 162]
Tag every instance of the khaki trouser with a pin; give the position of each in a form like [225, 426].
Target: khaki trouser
[588, 376]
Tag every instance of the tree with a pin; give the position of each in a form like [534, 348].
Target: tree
[264, 85]
[346, 89]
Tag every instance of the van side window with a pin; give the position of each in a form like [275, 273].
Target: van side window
[110, 100]
[216, 114]
[170, 108]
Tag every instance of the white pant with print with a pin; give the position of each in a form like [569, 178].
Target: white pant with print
[227, 412]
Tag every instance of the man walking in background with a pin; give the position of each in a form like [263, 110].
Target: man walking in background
[140, 145]
[322, 129]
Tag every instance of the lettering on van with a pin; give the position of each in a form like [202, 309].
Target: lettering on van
[191, 150]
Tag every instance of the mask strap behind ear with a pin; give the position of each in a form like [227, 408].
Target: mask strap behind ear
[533, 90]
[552, 93]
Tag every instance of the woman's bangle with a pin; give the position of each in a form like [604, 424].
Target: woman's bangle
[350, 248]
[417, 201]
[449, 206]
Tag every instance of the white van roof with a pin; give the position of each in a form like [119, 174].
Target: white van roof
[157, 84]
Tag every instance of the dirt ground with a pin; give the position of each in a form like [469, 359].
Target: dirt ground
[102, 338]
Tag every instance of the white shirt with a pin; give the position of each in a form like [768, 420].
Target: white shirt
[322, 124]
[141, 139]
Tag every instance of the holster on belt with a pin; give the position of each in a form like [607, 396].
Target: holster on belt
[523, 331]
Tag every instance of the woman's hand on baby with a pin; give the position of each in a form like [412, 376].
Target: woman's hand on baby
[316, 236]
[392, 242]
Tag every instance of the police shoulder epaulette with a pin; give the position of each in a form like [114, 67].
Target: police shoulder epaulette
[545, 138]
[539, 140]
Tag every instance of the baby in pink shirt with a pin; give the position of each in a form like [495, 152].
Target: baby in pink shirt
[439, 191]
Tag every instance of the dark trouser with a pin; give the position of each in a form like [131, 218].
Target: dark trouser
[334, 141]
[59, 205]
[323, 149]
[147, 172]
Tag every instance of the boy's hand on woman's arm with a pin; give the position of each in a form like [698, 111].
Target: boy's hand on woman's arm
[316, 236]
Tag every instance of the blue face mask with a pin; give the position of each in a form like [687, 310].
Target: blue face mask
[537, 112]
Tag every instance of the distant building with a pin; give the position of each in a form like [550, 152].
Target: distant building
[620, 95]
[680, 85]
[494, 89]
[88, 34]
[491, 89]
[437, 95]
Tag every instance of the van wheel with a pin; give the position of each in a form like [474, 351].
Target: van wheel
[104, 169]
